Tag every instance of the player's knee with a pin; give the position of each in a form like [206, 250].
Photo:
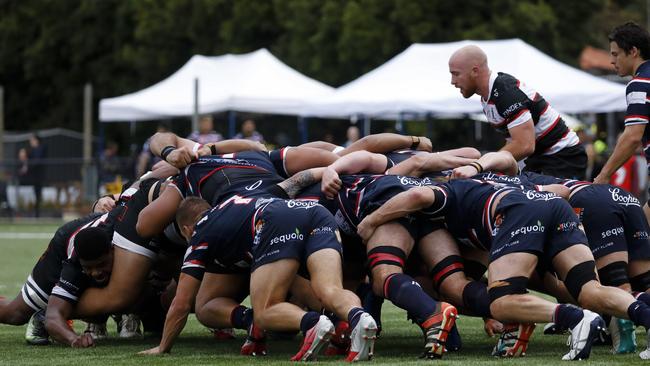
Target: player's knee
[15, 317]
[500, 293]
[445, 276]
[641, 283]
[580, 275]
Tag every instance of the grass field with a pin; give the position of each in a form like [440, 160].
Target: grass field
[400, 341]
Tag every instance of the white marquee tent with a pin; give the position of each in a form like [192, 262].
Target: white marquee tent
[253, 82]
[417, 81]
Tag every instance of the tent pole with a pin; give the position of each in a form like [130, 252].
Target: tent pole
[232, 121]
[303, 124]
[195, 113]
[2, 134]
[366, 125]
[429, 126]
[399, 124]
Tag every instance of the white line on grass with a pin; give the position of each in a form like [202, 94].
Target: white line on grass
[26, 235]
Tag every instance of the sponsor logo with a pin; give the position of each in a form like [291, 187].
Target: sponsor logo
[612, 232]
[513, 108]
[498, 220]
[568, 226]
[579, 212]
[343, 224]
[322, 230]
[505, 246]
[636, 97]
[641, 235]
[623, 198]
[537, 228]
[296, 235]
[254, 186]
[259, 226]
[541, 196]
[409, 181]
[263, 201]
[501, 178]
[306, 204]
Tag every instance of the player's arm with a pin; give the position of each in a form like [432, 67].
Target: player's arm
[293, 185]
[231, 146]
[421, 164]
[58, 313]
[188, 287]
[323, 145]
[501, 161]
[356, 162]
[400, 205]
[385, 142]
[105, 203]
[299, 158]
[158, 214]
[522, 143]
[174, 149]
[625, 147]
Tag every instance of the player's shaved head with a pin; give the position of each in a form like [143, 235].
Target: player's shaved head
[469, 70]
[469, 56]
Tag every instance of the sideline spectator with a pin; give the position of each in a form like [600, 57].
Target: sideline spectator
[249, 132]
[147, 159]
[31, 168]
[110, 165]
[353, 135]
[206, 132]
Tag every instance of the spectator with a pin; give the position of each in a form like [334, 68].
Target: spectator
[249, 132]
[352, 135]
[147, 159]
[206, 132]
[110, 165]
[33, 169]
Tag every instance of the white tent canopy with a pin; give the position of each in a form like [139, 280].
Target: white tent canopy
[253, 82]
[418, 81]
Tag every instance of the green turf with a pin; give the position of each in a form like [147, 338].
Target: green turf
[399, 343]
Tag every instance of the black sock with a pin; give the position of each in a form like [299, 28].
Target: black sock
[567, 316]
[476, 299]
[241, 317]
[353, 317]
[639, 313]
[308, 321]
[404, 292]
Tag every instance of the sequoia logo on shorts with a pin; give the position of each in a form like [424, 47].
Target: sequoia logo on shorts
[296, 235]
[624, 199]
[612, 232]
[306, 204]
[537, 228]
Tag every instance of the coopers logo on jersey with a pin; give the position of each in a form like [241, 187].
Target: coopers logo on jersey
[541, 196]
[296, 235]
[537, 228]
[612, 232]
[623, 198]
[306, 204]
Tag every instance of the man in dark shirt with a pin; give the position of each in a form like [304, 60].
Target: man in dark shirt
[534, 130]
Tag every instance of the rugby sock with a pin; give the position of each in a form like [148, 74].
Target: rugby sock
[639, 313]
[404, 292]
[241, 317]
[308, 321]
[642, 296]
[371, 303]
[476, 299]
[567, 316]
[353, 316]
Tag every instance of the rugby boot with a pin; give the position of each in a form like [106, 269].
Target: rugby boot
[553, 329]
[36, 334]
[645, 354]
[315, 339]
[513, 341]
[255, 343]
[130, 326]
[340, 342]
[583, 335]
[454, 342]
[362, 339]
[623, 336]
[223, 334]
[96, 330]
[436, 330]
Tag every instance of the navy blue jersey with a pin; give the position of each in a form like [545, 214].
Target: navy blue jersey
[215, 177]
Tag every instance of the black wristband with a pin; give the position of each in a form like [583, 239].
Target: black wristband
[477, 166]
[213, 149]
[166, 151]
[416, 142]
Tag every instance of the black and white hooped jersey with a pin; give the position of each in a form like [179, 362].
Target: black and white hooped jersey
[637, 94]
[215, 177]
[512, 103]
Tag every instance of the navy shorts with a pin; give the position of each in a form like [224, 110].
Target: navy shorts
[293, 229]
[613, 220]
[541, 227]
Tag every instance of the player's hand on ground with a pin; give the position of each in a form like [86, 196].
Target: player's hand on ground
[331, 183]
[85, 340]
[492, 327]
[462, 172]
[366, 228]
[181, 157]
[152, 351]
[425, 144]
